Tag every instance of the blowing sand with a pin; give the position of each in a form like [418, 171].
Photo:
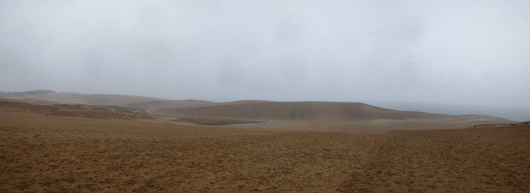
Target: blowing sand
[61, 153]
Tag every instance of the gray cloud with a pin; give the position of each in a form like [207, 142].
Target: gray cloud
[462, 52]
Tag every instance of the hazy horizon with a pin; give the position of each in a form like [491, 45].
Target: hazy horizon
[514, 113]
[448, 52]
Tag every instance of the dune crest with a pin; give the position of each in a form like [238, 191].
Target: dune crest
[331, 111]
[256, 110]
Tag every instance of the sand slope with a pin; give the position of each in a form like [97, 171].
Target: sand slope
[265, 110]
[40, 153]
[312, 110]
[466, 160]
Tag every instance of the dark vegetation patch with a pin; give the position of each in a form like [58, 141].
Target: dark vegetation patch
[100, 108]
[213, 122]
[502, 125]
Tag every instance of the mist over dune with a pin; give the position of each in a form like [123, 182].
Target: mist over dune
[250, 109]
[332, 111]
[26, 93]
[328, 116]
[177, 145]
[264, 96]
[151, 106]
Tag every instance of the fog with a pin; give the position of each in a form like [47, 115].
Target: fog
[451, 52]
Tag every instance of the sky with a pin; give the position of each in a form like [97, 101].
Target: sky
[452, 52]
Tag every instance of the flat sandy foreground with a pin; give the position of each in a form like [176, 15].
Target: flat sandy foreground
[58, 153]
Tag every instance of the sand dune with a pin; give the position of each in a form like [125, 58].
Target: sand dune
[63, 153]
[331, 111]
[336, 116]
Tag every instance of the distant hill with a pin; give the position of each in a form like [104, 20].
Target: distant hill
[252, 110]
[336, 111]
[26, 93]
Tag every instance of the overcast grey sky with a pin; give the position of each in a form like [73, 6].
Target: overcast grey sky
[459, 52]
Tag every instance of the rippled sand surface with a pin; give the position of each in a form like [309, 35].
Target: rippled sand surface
[59, 153]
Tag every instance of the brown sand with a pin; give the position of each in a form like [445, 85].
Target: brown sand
[327, 111]
[61, 153]
[467, 160]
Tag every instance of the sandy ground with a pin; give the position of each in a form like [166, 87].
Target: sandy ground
[58, 153]
[467, 160]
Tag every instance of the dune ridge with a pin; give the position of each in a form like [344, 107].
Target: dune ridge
[257, 109]
[333, 111]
